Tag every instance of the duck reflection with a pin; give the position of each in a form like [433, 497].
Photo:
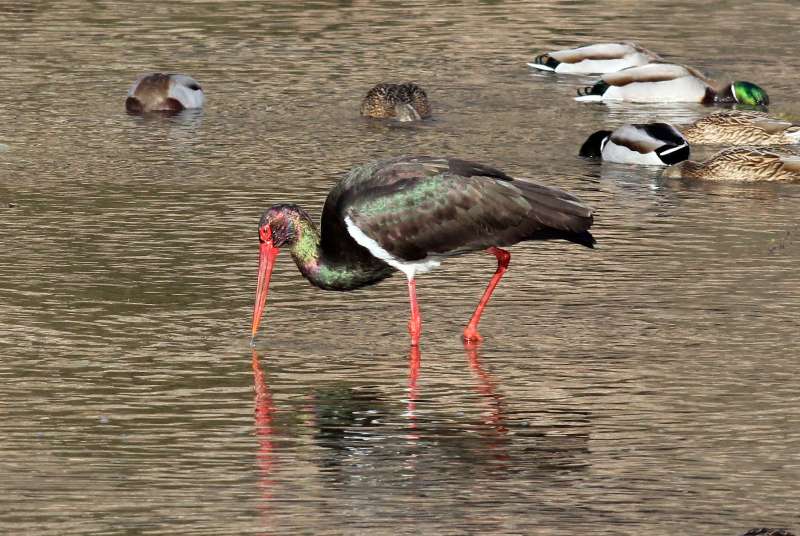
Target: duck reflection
[185, 120]
[755, 190]
[180, 129]
[679, 113]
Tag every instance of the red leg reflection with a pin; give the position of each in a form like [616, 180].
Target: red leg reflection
[263, 427]
[503, 258]
[486, 388]
[413, 375]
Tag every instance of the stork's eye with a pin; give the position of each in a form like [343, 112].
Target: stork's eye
[194, 87]
[265, 234]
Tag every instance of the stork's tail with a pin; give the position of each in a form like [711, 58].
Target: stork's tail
[563, 215]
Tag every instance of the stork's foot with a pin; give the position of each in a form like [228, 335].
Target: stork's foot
[471, 335]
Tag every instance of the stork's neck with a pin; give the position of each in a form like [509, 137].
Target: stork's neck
[321, 270]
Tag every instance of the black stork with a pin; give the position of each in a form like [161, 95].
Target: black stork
[410, 214]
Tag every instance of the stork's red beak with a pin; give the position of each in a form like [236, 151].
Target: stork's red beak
[266, 261]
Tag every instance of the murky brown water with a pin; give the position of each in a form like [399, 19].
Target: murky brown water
[649, 386]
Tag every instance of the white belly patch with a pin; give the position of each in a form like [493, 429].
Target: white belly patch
[410, 268]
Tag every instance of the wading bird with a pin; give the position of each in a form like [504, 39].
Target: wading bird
[410, 214]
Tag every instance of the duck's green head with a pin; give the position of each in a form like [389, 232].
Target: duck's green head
[749, 93]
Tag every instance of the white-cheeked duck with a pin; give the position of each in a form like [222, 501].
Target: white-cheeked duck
[159, 92]
[651, 144]
[743, 164]
[737, 127]
[668, 82]
[599, 58]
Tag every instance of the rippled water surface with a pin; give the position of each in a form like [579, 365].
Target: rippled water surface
[646, 387]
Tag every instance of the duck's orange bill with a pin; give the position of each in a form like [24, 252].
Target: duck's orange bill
[266, 261]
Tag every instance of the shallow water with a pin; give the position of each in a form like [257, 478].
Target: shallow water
[646, 386]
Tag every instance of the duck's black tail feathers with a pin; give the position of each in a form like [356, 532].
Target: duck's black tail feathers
[546, 60]
[598, 89]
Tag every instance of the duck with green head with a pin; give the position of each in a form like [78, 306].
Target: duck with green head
[668, 82]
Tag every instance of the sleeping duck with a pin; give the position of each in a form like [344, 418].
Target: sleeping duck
[160, 92]
[739, 164]
[594, 59]
[735, 127]
[652, 144]
[668, 82]
[404, 102]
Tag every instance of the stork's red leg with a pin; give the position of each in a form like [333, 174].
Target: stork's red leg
[415, 323]
[503, 258]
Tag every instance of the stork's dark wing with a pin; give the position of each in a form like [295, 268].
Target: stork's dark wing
[415, 207]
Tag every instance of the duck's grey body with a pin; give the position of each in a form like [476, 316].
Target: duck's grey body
[599, 58]
[669, 82]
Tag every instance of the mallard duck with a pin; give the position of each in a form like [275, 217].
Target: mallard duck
[739, 164]
[159, 92]
[653, 144]
[594, 59]
[668, 82]
[400, 101]
[736, 127]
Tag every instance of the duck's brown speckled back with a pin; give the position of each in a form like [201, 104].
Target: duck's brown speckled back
[382, 99]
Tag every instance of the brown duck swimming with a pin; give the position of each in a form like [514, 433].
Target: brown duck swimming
[404, 102]
[159, 92]
[739, 164]
[737, 127]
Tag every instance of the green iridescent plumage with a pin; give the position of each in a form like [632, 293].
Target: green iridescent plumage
[292, 228]
[749, 93]
[670, 82]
